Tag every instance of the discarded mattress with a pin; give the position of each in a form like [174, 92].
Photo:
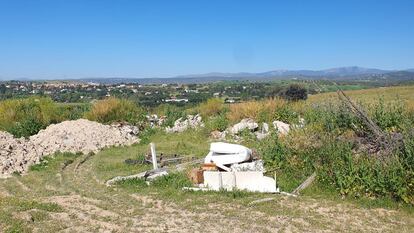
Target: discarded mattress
[226, 153]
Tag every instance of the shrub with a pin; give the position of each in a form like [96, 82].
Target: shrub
[262, 111]
[365, 175]
[273, 152]
[211, 107]
[171, 113]
[25, 117]
[73, 111]
[286, 114]
[113, 109]
[388, 116]
[219, 123]
[295, 92]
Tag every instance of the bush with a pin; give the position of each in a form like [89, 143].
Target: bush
[295, 92]
[171, 113]
[25, 117]
[73, 111]
[365, 175]
[286, 114]
[211, 107]
[262, 111]
[115, 110]
[219, 123]
[388, 116]
[339, 168]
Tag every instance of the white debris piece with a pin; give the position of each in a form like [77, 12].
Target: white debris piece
[126, 128]
[182, 125]
[265, 128]
[300, 125]
[218, 135]
[248, 181]
[226, 153]
[263, 133]
[246, 123]
[281, 127]
[257, 166]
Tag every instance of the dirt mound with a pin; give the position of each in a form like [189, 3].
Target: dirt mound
[16, 155]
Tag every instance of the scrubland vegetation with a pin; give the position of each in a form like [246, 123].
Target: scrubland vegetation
[332, 143]
[329, 143]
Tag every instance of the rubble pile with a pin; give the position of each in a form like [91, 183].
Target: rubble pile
[229, 167]
[252, 126]
[16, 155]
[247, 123]
[180, 125]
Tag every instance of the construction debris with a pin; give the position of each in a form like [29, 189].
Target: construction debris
[249, 181]
[281, 127]
[217, 135]
[181, 125]
[196, 175]
[264, 132]
[247, 123]
[257, 165]
[17, 155]
[234, 170]
[226, 153]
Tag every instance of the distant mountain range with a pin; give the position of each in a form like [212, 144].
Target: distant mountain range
[340, 73]
[334, 72]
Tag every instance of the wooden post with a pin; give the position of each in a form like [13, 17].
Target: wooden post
[154, 156]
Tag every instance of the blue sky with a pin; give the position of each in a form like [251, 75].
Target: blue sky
[120, 38]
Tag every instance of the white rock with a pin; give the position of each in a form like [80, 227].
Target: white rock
[247, 123]
[264, 132]
[281, 127]
[265, 128]
[181, 125]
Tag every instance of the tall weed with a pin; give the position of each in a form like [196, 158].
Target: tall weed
[113, 109]
[25, 117]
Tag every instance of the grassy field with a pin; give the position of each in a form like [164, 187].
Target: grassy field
[67, 193]
[403, 93]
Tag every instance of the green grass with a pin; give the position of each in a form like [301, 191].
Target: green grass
[38, 212]
[61, 175]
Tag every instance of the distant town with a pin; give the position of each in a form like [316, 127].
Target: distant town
[154, 94]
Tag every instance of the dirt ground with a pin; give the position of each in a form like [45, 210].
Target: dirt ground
[87, 205]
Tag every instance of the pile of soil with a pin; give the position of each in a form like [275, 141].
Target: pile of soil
[16, 155]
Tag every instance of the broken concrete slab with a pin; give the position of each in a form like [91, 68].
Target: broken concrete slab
[257, 165]
[246, 123]
[248, 181]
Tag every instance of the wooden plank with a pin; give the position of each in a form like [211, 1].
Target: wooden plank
[305, 184]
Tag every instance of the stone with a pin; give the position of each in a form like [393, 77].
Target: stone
[218, 135]
[281, 127]
[246, 123]
[181, 125]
